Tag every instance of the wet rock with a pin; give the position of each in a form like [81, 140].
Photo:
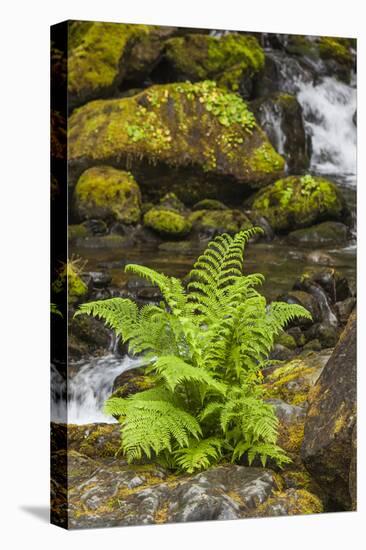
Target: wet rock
[324, 334]
[190, 139]
[319, 257]
[109, 194]
[130, 382]
[323, 234]
[299, 201]
[327, 446]
[100, 279]
[170, 201]
[209, 223]
[313, 345]
[344, 309]
[293, 380]
[138, 495]
[87, 336]
[281, 353]
[330, 280]
[280, 116]
[95, 227]
[306, 300]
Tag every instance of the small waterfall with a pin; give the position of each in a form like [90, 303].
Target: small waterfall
[88, 388]
[328, 108]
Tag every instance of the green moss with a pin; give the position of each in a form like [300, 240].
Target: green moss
[69, 277]
[77, 231]
[335, 48]
[167, 223]
[104, 192]
[299, 201]
[291, 382]
[95, 53]
[219, 221]
[210, 204]
[290, 437]
[179, 124]
[94, 440]
[285, 339]
[226, 59]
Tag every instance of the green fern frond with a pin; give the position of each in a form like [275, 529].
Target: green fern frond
[199, 455]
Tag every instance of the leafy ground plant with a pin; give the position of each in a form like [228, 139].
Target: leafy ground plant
[206, 346]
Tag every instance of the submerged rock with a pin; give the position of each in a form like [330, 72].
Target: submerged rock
[232, 60]
[196, 140]
[106, 193]
[299, 201]
[327, 447]
[280, 116]
[323, 234]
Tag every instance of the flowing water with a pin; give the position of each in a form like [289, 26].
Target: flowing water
[328, 110]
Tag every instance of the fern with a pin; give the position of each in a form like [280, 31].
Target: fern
[206, 346]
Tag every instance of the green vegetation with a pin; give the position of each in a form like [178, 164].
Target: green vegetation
[227, 59]
[299, 201]
[167, 223]
[205, 347]
[183, 125]
[69, 279]
[107, 193]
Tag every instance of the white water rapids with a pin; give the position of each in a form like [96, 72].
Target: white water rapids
[88, 388]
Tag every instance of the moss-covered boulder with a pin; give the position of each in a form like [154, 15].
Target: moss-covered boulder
[132, 381]
[69, 280]
[196, 140]
[327, 449]
[209, 223]
[280, 116]
[167, 223]
[299, 201]
[102, 55]
[229, 59]
[293, 380]
[106, 193]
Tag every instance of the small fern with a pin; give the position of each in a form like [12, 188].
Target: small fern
[206, 346]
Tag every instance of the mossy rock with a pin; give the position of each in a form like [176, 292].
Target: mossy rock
[322, 234]
[287, 340]
[293, 380]
[106, 193]
[170, 201]
[336, 49]
[131, 382]
[299, 201]
[283, 111]
[292, 502]
[175, 134]
[94, 440]
[213, 222]
[69, 280]
[227, 59]
[102, 55]
[167, 223]
[209, 204]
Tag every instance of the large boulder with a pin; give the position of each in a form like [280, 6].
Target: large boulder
[232, 60]
[106, 193]
[196, 140]
[327, 447]
[280, 116]
[102, 55]
[299, 201]
[110, 493]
